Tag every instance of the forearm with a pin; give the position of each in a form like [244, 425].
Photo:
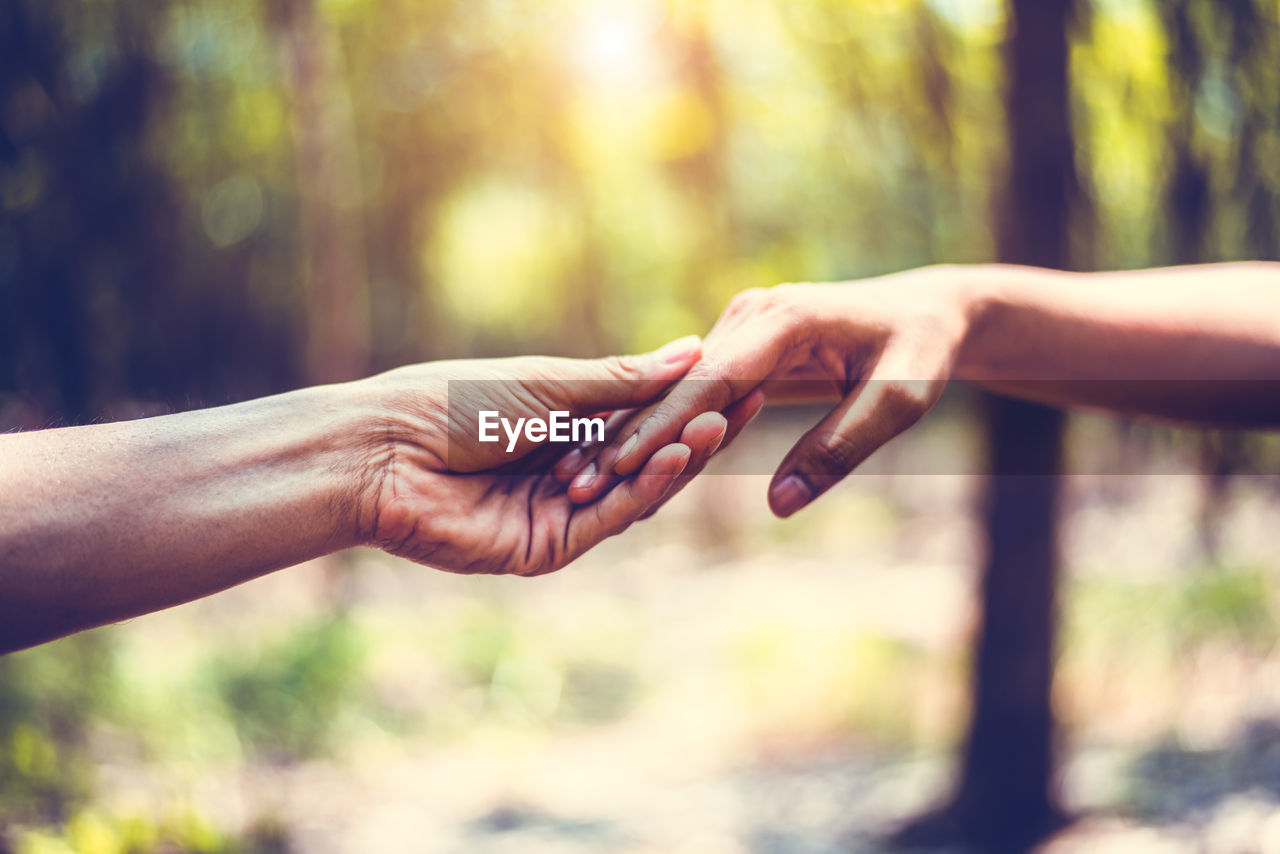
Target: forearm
[1200, 344]
[109, 521]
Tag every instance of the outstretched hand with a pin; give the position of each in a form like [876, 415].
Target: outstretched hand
[109, 521]
[445, 499]
[885, 347]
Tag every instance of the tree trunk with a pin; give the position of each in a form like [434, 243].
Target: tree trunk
[1005, 798]
[1006, 782]
[330, 189]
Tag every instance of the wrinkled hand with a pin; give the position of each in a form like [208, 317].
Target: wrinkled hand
[885, 347]
[442, 498]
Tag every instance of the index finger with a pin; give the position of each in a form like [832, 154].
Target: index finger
[712, 385]
[614, 513]
[661, 423]
[746, 347]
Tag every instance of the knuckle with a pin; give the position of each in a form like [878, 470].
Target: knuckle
[779, 310]
[782, 306]
[744, 300]
[623, 367]
[769, 300]
[789, 312]
[706, 370]
[834, 453]
[707, 383]
[906, 400]
[714, 390]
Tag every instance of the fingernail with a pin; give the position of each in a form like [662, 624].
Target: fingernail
[789, 495]
[586, 478]
[715, 443]
[680, 350]
[756, 409]
[571, 461]
[627, 448]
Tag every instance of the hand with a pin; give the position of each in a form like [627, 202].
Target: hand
[441, 497]
[885, 347]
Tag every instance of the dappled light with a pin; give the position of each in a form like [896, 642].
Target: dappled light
[206, 201]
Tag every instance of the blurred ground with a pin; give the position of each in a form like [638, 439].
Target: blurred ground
[204, 202]
[713, 681]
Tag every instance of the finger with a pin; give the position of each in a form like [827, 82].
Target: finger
[798, 389]
[737, 417]
[875, 412]
[572, 463]
[552, 458]
[596, 475]
[589, 386]
[596, 478]
[731, 368]
[617, 510]
[702, 435]
[740, 414]
[662, 423]
[710, 432]
[543, 386]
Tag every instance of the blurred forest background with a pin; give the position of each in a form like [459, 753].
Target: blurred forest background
[207, 200]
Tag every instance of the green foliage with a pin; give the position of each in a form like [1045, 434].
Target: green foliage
[579, 177]
[840, 680]
[1237, 605]
[528, 673]
[50, 699]
[597, 692]
[1234, 603]
[490, 177]
[289, 702]
[183, 832]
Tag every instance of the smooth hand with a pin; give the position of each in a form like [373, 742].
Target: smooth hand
[884, 347]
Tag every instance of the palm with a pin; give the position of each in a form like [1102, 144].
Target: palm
[495, 524]
[448, 500]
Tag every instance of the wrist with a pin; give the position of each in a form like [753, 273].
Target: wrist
[400, 438]
[982, 297]
[958, 299]
[1006, 307]
[351, 444]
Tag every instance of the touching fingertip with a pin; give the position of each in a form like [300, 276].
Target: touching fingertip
[623, 457]
[723, 427]
[569, 465]
[789, 494]
[710, 425]
[671, 459]
[586, 479]
[718, 439]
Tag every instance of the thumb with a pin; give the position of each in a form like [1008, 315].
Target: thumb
[588, 386]
[878, 410]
